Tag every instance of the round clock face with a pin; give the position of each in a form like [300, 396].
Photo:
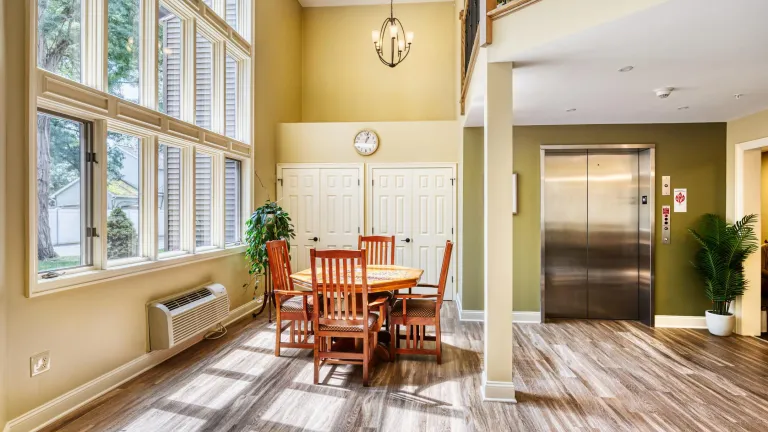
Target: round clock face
[366, 142]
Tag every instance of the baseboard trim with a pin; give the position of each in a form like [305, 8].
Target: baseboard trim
[679, 321]
[65, 404]
[498, 391]
[522, 317]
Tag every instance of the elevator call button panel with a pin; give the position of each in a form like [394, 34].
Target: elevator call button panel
[665, 227]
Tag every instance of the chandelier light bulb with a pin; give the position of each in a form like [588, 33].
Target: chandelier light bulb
[401, 45]
[409, 37]
[375, 36]
[393, 30]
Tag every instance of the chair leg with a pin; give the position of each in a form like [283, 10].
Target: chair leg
[279, 324]
[366, 351]
[317, 360]
[392, 338]
[438, 343]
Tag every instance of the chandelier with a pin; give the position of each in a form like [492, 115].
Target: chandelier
[399, 40]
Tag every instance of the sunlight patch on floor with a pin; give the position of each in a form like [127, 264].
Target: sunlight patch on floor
[210, 391]
[288, 409]
[244, 362]
[159, 420]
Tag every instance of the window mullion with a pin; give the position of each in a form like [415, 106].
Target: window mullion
[218, 100]
[190, 204]
[188, 72]
[148, 187]
[219, 201]
[148, 50]
[94, 44]
[243, 101]
[100, 194]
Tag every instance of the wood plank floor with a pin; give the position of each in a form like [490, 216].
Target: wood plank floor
[570, 375]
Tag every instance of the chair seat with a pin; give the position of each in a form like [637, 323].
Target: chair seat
[415, 308]
[372, 318]
[295, 304]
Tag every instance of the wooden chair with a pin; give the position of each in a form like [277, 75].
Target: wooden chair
[294, 306]
[381, 249]
[415, 312]
[338, 314]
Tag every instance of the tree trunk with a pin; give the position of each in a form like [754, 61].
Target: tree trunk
[44, 244]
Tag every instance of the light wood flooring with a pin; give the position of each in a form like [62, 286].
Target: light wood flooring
[570, 375]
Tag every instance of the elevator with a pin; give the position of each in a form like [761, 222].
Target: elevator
[597, 231]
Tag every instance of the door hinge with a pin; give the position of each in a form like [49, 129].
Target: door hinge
[91, 232]
[91, 157]
[281, 181]
[358, 182]
[451, 230]
[358, 230]
[451, 279]
[372, 183]
[452, 179]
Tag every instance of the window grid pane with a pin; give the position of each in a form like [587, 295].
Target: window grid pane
[231, 98]
[123, 196]
[169, 63]
[203, 200]
[123, 34]
[169, 179]
[231, 13]
[59, 37]
[203, 82]
[62, 194]
[232, 202]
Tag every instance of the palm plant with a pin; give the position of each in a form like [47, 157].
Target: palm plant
[720, 259]
[269, 222]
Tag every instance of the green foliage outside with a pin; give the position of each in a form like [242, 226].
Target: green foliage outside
[269, 222]
[122, 239]
[720, 259]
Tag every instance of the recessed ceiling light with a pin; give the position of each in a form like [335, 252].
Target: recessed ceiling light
[683, 107]
[738, 95]
[626, 68]
[570, 110]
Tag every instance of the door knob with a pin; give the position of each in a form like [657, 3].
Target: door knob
[407, 240]
[314, 239]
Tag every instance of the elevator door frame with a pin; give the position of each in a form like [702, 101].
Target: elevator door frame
[646, 296]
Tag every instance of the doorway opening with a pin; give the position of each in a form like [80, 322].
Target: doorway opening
[597, 229]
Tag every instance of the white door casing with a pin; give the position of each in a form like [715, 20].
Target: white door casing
[417, 205]
[325, 205]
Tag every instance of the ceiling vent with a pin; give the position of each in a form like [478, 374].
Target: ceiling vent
[664, 92]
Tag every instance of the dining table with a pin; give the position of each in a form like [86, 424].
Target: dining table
[381, 279]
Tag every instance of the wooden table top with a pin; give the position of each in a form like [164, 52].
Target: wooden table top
[380, 278]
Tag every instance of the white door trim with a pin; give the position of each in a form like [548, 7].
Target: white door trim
[747, 173]
[369, 205]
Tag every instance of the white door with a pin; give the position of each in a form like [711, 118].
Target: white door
[339, 208]
[416, 206]
[299, 196]
[324, 205]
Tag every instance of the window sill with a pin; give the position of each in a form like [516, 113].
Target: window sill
[40, 287]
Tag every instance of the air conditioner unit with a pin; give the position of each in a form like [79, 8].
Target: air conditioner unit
[176, 318]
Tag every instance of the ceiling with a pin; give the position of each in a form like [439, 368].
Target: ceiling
[325, 3]
[708, 50]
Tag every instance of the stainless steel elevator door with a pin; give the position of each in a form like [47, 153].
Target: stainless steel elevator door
[565, 251]
[613, 230]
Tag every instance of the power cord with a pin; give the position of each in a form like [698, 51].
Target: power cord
[219, 333]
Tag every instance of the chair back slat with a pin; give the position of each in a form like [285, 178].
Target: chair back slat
[279, 265]
[381, 249]
[444, 272]
[334, 275]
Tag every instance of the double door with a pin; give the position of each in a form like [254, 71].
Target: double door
[325, 208]
[416, 205]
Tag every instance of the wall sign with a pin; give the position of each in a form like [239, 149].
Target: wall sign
[666, 232]
[665, 182]
[681, 200]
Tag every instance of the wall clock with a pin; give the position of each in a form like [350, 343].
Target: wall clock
[366, 142]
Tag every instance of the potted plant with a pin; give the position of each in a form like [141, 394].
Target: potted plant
[724, 247]
[269, 222]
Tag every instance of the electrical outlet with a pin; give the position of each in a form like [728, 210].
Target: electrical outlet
[40, 363]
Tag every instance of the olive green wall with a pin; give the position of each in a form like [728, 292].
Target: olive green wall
[692, 154]
[764, 196]
[472, 234]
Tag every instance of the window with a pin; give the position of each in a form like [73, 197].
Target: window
[59, 37]
[203, 200]
[231, 13]
[169, 63]
[203, 82]
[232, 201]
[231, 98]
[169, 193]
[123, 48]
[123, 196]
[63, 193]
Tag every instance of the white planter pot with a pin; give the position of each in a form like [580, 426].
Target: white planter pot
[720, 325]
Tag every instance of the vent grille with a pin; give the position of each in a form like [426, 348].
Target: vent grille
[191, 322]
[187, 299]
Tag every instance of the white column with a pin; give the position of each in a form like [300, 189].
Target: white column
[498, 368]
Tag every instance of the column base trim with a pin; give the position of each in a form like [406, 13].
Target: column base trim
[498, 391]
[679, 321]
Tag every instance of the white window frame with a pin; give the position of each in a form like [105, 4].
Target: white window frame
[88, 100]
[244, 214]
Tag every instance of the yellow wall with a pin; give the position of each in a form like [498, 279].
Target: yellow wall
[745, 129]
[93, 330]
[764, 197]
[399, 142]
[343, 79]
[472, 277]
[693, 154]
[3, 286]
